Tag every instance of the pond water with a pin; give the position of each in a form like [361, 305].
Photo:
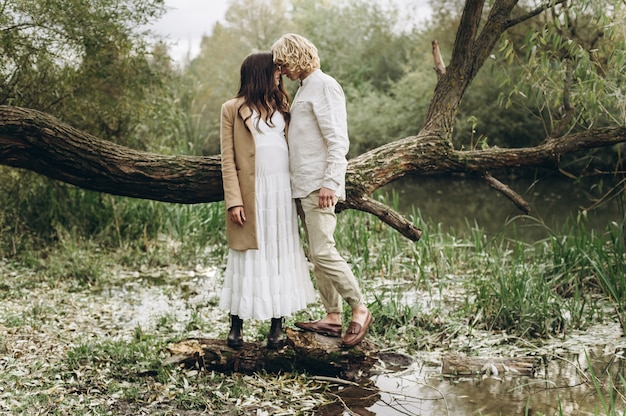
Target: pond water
[564, 385]
[575, 377]
[453, 203]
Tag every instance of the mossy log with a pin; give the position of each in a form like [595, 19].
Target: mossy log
[462, 365]
[304, 351]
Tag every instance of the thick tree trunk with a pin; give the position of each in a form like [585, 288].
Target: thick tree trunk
[36, 141]
[39, 142]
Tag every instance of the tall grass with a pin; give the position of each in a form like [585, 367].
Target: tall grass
[41, 217]
[553, 285]
[608, 262]
[531, 289]
[535, 289]
[421, 293]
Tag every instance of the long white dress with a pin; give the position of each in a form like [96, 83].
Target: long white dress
[273, 281]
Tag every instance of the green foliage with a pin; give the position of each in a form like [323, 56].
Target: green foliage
[572, 66]
[371, 61]
[41, 217]
[382, 71]
[374, 51]
[83, 62]
[376, 118]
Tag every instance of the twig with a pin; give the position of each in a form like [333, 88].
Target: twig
[440, 66]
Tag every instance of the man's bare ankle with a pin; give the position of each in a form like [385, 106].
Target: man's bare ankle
[332, 318]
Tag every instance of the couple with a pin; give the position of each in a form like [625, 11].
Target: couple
[267, 274]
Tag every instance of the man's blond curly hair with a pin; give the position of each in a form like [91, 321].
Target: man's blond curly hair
[297, 52]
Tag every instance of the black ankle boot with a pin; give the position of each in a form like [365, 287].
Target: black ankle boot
[275, 340]
[235, 339]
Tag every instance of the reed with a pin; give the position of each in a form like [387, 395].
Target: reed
[609, 389]
[608, 262]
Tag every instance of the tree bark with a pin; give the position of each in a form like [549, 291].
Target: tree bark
[36, 141]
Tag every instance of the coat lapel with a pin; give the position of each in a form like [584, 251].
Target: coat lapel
[246, 115]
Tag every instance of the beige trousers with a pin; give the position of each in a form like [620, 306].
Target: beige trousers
[335, 279]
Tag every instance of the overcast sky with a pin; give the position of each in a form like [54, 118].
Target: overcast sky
[187, 20]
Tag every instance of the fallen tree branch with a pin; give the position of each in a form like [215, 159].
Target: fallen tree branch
[38, 142]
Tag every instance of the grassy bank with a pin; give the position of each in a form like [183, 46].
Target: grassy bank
[88, 307]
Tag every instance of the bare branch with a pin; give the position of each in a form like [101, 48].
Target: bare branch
[385, 214]
[440, 66]
[566, 111]
[535, 12]
[508, 192]
[18, 27]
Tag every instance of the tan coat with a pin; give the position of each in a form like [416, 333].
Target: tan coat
[238, 172]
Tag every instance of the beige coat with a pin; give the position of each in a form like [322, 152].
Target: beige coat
[238, 172]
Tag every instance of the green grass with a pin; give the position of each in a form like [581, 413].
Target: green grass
[423, 294]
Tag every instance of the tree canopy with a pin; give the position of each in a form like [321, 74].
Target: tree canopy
[520, 84]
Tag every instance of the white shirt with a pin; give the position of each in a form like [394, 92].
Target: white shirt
[318, 136]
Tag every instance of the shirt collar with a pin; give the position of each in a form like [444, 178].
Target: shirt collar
[311, 75]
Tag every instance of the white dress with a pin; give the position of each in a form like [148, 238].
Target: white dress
[273, 281]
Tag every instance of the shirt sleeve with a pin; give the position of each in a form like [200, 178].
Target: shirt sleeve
[330, 112]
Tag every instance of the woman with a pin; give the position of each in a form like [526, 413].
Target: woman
[267, 275]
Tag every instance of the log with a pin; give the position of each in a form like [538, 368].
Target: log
[304, 351]
[39, 142]
[461, 365]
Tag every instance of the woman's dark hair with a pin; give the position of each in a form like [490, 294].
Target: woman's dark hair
[258, 87]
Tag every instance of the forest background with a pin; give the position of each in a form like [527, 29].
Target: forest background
[90, 66]
[94, 66]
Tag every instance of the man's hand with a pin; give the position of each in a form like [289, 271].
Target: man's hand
[326, 198]
[237, 215]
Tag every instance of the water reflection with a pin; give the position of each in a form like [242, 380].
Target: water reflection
[455, 203]
[564, 388]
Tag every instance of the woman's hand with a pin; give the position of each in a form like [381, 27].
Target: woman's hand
[237, 215]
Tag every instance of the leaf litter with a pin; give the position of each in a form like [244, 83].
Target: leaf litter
[67, 351]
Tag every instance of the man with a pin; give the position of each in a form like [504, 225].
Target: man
[318, 144]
